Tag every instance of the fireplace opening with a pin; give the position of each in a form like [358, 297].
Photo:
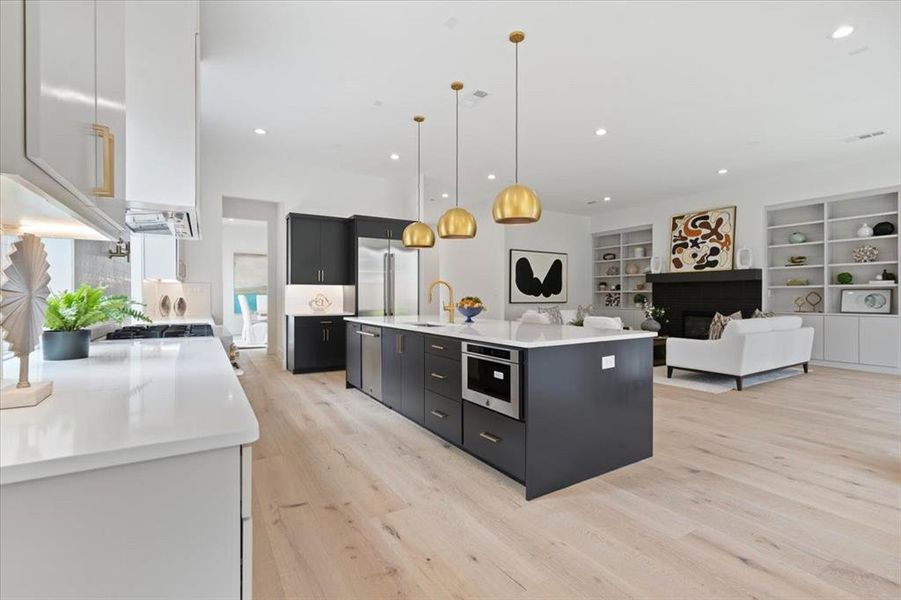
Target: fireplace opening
[696, 324]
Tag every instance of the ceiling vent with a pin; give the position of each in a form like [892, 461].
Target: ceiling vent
[865, 136]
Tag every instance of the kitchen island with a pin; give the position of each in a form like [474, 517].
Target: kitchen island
[548, 405]
[132, 480]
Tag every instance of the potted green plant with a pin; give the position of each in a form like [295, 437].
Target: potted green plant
[653, 316]
[70, 314]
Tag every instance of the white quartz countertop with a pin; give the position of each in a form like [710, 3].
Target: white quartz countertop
[130, 401]
[505, 333]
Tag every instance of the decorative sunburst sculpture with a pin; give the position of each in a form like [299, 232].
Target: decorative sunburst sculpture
[24, 291]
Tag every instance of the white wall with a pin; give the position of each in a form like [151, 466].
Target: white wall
[751, 198]
[244, 237]
[555, 232]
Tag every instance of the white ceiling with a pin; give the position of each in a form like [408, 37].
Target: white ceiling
[684, 88]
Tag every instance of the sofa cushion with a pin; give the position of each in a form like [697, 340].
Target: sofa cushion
[568, 314]
[719, 322]
[745, 326]
[786, 322]
[536, 318]
[604, 323]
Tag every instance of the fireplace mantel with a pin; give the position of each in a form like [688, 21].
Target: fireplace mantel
[688, 296]
[707, 277]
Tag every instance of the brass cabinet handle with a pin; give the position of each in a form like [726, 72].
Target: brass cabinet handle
[437, 347]
[437, 376]
[108, 189]
[439, 414]
[490, 437]
[399, 344]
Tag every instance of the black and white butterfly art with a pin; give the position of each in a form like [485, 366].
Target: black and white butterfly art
[537, 277]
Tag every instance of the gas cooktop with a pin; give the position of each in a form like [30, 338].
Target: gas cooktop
[131, 332]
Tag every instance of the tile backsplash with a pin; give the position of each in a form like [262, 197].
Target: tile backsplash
[93, 265]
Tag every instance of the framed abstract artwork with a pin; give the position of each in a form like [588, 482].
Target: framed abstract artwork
[703, 240]
[537, 277]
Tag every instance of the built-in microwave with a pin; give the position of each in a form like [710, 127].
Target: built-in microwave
[491, 378]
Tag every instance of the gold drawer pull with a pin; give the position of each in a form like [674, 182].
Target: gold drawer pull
[437, 347]
[490, 437]
[437, 376]
[439, 414]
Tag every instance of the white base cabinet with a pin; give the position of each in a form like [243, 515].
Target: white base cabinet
[177, 527]
[867, 340]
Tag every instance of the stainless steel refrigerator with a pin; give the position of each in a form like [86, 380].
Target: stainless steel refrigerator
[387, 278]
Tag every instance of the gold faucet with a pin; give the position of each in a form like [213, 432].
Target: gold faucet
[450, 307]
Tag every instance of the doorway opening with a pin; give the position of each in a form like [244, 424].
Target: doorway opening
[245, 281]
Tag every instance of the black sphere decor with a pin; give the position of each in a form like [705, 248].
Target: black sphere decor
[884, 228]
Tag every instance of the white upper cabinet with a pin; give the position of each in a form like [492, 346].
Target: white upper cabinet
[161, 91]
[74, 84]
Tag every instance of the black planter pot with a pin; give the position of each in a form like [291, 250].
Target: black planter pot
[66, 345]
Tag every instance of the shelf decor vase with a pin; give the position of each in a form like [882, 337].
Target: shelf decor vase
[650, 325]
[638, 252]
[865, 231]
[469, 313]
[66, 345]
[797, 238]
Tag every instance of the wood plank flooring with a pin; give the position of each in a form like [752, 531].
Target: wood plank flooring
[789, 489]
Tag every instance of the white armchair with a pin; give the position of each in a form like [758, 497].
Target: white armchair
[747, 347]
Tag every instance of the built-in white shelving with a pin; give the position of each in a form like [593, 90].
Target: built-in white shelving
[829, 227]
[626, 245]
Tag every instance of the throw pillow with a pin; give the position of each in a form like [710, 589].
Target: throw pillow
[583, 311]
[719, 322]
[759, 314]
[535, 318]
[554, 313]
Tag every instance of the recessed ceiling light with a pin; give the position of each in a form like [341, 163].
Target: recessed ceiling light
[600, 131]
[260, 131]
[444, 195]
[607, 198]
[842, 31]
[722, 171]
[492, 176]
[395, 156]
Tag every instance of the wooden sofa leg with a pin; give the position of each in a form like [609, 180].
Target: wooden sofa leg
[806, 368]
[738, 381]
[669, 372]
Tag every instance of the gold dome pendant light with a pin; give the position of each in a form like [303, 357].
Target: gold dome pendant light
[516, 204]
[418, 234]
[457, 223]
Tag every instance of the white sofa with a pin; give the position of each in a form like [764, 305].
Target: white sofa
[748, 346]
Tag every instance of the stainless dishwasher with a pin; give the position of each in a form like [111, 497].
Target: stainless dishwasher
[372, 360]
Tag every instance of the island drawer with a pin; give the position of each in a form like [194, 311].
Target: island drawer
[444, 417]
[498, 440]
[442, 346]
[442, 376]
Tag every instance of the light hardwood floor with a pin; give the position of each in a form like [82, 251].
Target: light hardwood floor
[787, 490]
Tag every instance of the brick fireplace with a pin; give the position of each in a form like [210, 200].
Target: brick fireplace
[691, 299]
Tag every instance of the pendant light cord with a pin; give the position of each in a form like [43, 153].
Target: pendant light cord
[419, 170]
[457, 149]
[516, 114]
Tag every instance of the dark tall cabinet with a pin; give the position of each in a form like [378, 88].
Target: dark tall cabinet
[319, 250]
[402, 372]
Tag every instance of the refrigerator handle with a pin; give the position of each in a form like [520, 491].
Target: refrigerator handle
[391, 281]
[386, 306]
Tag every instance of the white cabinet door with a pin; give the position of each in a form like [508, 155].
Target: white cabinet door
[841, 339]
[880, 341]
[160, 257]
[60, 92]
[160, 57]
[110, 58]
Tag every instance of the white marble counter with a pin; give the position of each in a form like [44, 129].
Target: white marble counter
[505, 333]
[130, 401]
